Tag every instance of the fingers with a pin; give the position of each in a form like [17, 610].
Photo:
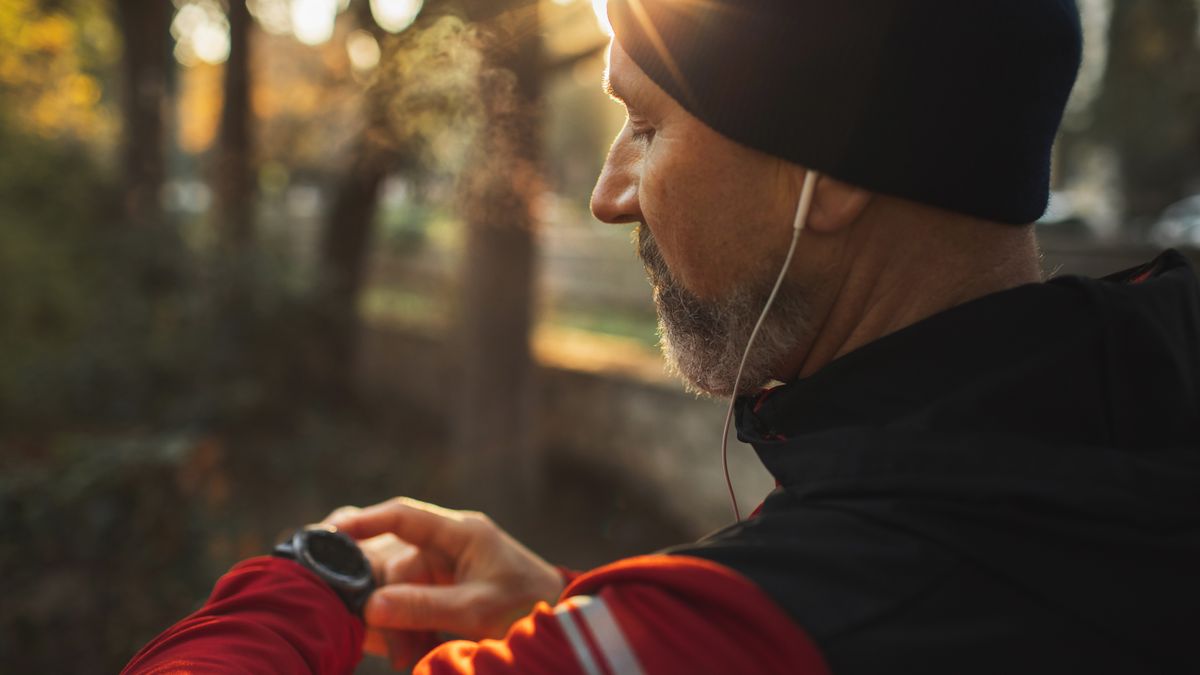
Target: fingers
[423, 525]
[406, 566]
[340, 513]
[381, 551]
[421, 607]
[375, 642]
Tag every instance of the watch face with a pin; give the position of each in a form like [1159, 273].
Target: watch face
[336, 553]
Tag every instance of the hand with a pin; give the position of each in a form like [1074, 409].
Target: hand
[387, 556]
[448, 571]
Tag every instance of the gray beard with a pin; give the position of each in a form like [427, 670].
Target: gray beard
[703, 340]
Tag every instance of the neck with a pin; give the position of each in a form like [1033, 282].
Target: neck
[907, 265]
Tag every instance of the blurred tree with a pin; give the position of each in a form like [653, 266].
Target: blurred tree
[418, 110]
[346, 237]
[144, 26]
[494, 433]
[234, 177]
[1149, 109]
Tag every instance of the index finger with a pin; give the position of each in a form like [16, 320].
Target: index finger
[420, 524]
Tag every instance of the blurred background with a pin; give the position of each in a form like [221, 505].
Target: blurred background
[263, 258]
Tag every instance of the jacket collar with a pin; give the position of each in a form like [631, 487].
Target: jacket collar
[1043, 361]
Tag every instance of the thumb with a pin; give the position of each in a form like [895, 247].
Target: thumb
[423, 607]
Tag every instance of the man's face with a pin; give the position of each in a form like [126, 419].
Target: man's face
[715, 222]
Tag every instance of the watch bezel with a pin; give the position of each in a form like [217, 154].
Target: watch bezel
[350, 582]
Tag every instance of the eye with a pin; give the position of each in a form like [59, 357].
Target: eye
[642, 133]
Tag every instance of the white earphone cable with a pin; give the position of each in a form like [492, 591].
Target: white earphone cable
[802, 209]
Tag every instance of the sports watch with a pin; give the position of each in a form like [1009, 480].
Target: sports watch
[336, 559]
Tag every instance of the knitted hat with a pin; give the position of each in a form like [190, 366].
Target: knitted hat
[952, 103]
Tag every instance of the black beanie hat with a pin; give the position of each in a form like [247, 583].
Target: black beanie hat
[952, 103]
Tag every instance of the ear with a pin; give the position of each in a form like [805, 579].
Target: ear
[836, 205]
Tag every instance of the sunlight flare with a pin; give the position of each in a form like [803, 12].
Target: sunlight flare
[656, 40]
[600, 7]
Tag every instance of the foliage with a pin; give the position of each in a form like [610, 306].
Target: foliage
[84, 325]
[101, 541]
[104, 324]
[51, 195]
[55, 61]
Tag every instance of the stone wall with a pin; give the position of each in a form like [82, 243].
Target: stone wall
[624, 417]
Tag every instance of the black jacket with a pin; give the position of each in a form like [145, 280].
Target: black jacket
[1011, 486]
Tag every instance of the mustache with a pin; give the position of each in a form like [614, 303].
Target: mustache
[651, 256]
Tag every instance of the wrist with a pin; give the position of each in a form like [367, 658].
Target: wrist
[335, 559]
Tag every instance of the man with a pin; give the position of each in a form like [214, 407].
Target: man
[978, 472]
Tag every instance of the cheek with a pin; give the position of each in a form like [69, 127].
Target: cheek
[668, 207]
[688, 206]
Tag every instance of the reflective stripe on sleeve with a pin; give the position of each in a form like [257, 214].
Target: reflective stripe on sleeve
[607, 636]
[583, 653]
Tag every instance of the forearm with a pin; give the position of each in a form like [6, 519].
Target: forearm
[656, 615]
[265, 615]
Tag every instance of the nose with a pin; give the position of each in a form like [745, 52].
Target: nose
[615, 197]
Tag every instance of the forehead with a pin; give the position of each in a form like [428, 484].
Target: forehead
[619, 61]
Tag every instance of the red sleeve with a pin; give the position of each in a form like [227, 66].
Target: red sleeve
[653, 615]
[535, 645]
[266, 615]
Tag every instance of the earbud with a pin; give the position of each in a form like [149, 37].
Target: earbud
[802, 209]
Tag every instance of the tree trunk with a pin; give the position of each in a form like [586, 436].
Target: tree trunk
[495, 440]
[346, 239]
[344, 253]
[233, 172]
[1150, 103]
[144, 26]
[233, 178]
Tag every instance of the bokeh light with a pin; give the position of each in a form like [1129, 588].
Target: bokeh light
[201, 33]
[363, 50]
[275, 16]
[395, 15]
[313, 20]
